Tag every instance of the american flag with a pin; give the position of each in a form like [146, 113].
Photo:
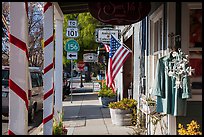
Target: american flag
[117, 56]
[106, 47]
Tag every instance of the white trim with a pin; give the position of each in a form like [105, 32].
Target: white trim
[58, 14]
[171, 27]
[185, 44]
[58, 72]
[128, 34]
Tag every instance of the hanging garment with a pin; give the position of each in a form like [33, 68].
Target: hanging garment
[170, 100]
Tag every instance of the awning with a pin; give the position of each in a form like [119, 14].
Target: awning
[73, 7]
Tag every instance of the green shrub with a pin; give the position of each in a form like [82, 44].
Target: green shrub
[58, 127]
[125, 104]
[106, 92]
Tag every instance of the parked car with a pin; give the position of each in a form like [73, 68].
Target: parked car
[35, 92]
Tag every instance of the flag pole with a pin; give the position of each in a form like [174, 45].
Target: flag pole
[122, 43]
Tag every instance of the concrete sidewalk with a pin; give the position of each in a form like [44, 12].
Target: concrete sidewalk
[86, 116]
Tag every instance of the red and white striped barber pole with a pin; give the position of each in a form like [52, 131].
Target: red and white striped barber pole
[48, 26]
[18, 79]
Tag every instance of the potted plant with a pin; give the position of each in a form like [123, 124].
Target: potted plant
[58, 127]
[121, 112]
[106, 95]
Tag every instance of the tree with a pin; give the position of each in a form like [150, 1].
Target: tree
[86, 26]
[5, 39]
[35, 30]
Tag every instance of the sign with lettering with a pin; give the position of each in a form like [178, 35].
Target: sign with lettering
[90, 57]
[72, 46]
[72, 55]
[119, 13]
[72, 23]
[104, 35]
[72, 32]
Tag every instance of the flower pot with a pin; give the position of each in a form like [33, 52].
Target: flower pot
[121, 117]
[106, 100]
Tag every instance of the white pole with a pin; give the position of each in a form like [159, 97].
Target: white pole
[48, 68]
[18, 79]
[71, 80]
[58, 67]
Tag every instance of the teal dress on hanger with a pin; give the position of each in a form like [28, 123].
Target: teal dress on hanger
[170, 100]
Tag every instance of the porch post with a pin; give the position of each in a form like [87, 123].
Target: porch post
[18, 79]
[58, 66]
[48, 79]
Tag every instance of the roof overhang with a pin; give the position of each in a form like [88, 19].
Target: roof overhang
[73, 7]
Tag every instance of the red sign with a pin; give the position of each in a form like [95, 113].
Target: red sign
[81, 65]
[119, 13]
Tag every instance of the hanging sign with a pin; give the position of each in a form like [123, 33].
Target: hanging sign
[119, 13]
[104, 35]
[90, 57]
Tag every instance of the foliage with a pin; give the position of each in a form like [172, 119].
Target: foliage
[134, 117]
[124, 104]
[139, 124]
[106, 92]
[86, 26]
[58, 128]
[35, 32]
[192, 129]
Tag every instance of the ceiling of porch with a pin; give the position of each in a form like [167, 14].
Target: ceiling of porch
[73, 7]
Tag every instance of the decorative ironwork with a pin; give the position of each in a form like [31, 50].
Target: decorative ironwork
[179, 67]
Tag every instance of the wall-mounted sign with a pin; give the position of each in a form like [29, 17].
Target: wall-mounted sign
[90, 57]
[104, 35]
[119, 13]
[72, 46]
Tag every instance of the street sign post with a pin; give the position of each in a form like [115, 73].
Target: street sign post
[72, 55]
[72, 46]
[72, 23]
[72, 32]
[81, 65]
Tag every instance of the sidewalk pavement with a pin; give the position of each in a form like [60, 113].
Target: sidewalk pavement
[86, 116]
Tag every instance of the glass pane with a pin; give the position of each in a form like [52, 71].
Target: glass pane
[195, 28]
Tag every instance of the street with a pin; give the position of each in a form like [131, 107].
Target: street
[39, 115]
[31, 126]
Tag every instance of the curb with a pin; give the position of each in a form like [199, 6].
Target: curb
[38, 130]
